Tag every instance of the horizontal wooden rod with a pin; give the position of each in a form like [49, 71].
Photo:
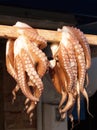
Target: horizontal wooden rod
[49, 35]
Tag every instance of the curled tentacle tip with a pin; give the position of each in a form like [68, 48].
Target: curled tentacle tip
[90, 114]
[26, 107]
[63, 116]
[60, 110]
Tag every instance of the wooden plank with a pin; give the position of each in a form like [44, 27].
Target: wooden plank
[49, 35]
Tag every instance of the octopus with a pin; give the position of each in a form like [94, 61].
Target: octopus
[71, 58]
[27, 63]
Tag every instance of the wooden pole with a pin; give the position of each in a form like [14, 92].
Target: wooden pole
[49, 35]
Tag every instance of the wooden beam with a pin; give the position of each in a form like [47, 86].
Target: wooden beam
[49, 35]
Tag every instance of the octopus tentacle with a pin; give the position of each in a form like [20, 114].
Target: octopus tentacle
[64, 97]
[65, 64]
[78, 100]
[20, 70]
[81, 71]
[67, 41]
[59, 82]
[83, 91]
[32, 34]
[86, 80]
[84, 43]
[34, 77]
[14, 91]
[22, 79]
[69, 104]
[10, 64]
[63, 83]
[38, 57]
[63, 115]
[32, 103]
[72, 120]
[10, 59]
[29, 68]
[83, 65]
[70, 115]
[75, 67]
[80, 57]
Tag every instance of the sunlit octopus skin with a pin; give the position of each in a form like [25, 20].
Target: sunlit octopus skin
[34, 77]
[34, 41]
[10, 58]
[67, 42]
[84, 43]
[62, 55]
[59, 82]
[70, 95]
[39, 55]
[31, 107]
[73, 51]
[31, 33]
[80, 56]
[14, 91]
[10, 61]
[24, 64]
[10, 64]
[39, 63]
[11, 69]
[65, 64]
[70, 115]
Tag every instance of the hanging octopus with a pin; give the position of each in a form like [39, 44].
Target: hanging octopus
[71, 60]
[27, 64]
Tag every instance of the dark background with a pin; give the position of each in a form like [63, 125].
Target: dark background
[85, 7]
[85, 11]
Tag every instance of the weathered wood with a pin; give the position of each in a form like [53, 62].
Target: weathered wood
[49, 35]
